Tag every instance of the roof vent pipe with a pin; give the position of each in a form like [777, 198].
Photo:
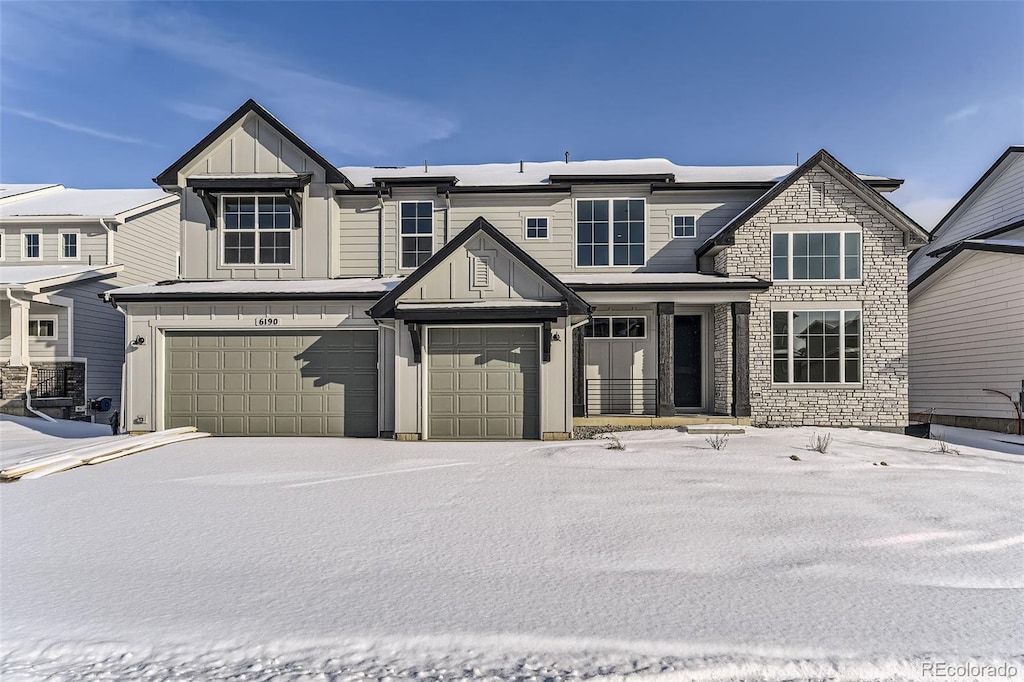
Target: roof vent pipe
[425, 169]
[520, 165]
[567, 156]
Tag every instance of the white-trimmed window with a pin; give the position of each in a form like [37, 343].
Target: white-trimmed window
[684, 226]
[816, 346]
[42, 327]
[417, 232]
[816, 256]
[616, 327]
[68, 245]
[257, 230]
[536, 228]
[611, 232]
[31, 245]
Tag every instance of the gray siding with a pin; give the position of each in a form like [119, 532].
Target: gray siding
[99, 337]
[92, 243]
[147, 247]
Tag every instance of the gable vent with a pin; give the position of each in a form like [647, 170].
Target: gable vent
[817, 199]
[481, 272]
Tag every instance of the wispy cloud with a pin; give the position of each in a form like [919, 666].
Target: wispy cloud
[200, 112]
[326, 110]
[964, 114]
[73, 127]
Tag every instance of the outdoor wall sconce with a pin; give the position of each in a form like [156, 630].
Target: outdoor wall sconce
[556, 337]
[139, 341]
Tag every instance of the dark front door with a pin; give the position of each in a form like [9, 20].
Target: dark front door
[687, 360]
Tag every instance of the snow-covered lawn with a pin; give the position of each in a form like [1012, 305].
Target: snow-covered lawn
[342, 559]
[26, 437]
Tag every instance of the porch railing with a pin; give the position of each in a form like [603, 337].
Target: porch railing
[50, 382]
[622, 396]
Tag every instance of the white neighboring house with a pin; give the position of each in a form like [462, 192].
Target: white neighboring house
[61, 249]
[967, 306]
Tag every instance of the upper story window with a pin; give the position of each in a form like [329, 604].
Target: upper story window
[536, 228]
[816, 256]
[69, 246]
[684, 226]
[616, 328]
[610, 232]
[417, 232]
[257, 230]
[32, 246]
[42, 327]
[816, 346]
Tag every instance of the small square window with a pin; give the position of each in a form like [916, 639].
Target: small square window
[684, 226]
[42, 328]
[536, 228]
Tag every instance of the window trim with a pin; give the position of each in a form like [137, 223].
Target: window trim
[576, 227]
[222, 231]
[696, 230]
[37, 318]
[839, 228]
[401, 235]
[60, 244]
[24, 245]
[547, 227]
[611, 319]
[3, 246]
[816, 308]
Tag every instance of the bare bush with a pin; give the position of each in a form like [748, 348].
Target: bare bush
[820, 442]
[718, 441]
[615, 443]
[945, 448]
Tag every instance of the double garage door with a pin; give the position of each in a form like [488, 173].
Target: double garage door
[483, 383]
[266, 384]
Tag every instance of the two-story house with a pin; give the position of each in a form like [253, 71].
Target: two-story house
[516, 300]
[60, 250]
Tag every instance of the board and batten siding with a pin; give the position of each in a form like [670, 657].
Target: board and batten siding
[967, 334]
[1000, 203]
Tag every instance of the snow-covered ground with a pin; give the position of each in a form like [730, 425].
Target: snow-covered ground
[976, 438]
[27, 437]
[266, 559]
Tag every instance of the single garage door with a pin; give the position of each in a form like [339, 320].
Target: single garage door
[266, 384]
[483, 383]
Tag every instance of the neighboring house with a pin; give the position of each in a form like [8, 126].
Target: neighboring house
[516, 300]
[967, 306]
[60, 250]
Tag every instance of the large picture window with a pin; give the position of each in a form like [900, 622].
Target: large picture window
[816, 256]
[257, 230]
[816, 346]
[417, 232]
[610, 232]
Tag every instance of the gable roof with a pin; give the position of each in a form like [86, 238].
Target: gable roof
[64, 202]
[969, 197]
[832, 165]
[169, 177]
[1012, 246]
[385, 307]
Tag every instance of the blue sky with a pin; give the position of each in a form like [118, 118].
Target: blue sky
[108, 94]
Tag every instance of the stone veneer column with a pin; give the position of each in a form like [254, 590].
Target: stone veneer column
[666, 360]
[741, 359]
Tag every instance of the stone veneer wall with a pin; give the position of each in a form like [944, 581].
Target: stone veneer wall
[723, 358]
[881, 401]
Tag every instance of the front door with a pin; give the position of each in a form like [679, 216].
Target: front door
[687, 361]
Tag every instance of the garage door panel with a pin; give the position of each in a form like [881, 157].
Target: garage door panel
[260, 383]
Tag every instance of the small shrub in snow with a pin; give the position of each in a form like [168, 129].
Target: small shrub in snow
[718, 441]
[615, 443]
[821, 442]
[945, 448]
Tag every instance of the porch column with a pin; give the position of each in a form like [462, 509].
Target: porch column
[19, 332]
[741, 359]
[666, 360]
[579, 374]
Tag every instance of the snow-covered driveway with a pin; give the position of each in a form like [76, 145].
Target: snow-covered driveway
[338, 559]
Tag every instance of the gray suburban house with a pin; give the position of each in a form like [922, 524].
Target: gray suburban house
[516, 300]
[61, 249]
[967, 307]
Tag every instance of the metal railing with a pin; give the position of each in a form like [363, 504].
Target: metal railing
[622, 396]
[50, 382]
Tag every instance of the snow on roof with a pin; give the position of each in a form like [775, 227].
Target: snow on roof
[1015, 243]
[234, 287]
[497, 303]
[27, 275]
[653, 278]
[99, 203]
[538, 173]
[8, 190]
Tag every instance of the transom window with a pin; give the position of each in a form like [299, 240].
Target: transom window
[616, 328]
[536, 228]
[684, 226]
[816, 346]
[32, 245]
[417, 232]
[816, 255]
[610, 232]
[257, 230]
[69, 245]
[42, 327]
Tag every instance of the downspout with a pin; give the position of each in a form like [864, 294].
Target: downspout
[110, 239]
[28, 377]
[447, 210]
[380, 234]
